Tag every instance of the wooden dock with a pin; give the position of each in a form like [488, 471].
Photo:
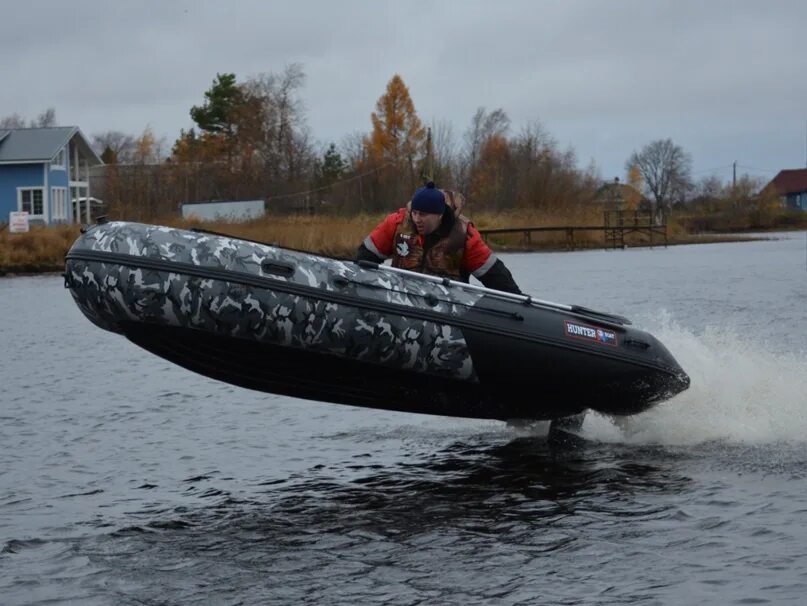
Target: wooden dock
[616, 225]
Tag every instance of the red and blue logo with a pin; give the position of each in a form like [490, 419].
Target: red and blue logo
[594, 334]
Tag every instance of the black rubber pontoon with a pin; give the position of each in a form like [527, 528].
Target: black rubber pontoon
[308, 326]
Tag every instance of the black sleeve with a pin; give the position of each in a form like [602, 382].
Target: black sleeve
[499, 277]
[365, 254]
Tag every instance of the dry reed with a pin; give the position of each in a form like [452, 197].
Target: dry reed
[43, 248]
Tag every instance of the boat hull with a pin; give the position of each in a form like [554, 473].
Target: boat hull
[307, 326]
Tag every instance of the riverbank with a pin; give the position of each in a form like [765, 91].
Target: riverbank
[43, 249]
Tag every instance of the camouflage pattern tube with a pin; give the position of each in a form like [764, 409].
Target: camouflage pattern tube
[161, 275]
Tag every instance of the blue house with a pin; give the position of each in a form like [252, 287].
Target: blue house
[791, 187]
[46, 172]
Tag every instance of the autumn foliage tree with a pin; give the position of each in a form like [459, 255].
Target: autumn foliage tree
[396, 142]
[633, 195]
[491, 172]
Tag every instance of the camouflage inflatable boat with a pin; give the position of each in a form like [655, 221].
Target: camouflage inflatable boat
[309, 326]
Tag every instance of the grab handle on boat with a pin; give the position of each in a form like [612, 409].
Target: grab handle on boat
[277, 268]
[636, 343]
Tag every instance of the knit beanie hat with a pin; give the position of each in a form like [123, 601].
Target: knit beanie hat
[429, 200]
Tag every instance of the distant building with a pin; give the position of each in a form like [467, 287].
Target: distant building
[236, 210]
[613, 195]
[45, 172]
[791, 187]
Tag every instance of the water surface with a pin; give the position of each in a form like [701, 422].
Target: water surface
[126, 480]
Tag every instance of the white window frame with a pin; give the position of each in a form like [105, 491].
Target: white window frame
[31, 215]
[58, 162]
[58, 200]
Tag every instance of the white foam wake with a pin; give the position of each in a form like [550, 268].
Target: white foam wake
[740, 391]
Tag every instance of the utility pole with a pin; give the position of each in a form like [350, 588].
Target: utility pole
[429, 156]
[734, 176]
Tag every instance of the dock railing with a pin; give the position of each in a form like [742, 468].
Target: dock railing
[616, 225]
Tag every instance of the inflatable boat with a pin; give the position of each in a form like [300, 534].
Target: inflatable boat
[309, 326]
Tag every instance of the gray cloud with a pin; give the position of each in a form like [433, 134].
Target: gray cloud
[723, 79]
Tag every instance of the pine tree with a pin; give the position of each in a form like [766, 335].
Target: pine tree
[221, 103]
[332, 165]
[109, 156]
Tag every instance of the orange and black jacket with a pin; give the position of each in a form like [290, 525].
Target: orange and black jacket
[475, 258]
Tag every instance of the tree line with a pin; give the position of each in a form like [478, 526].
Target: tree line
[250, 140]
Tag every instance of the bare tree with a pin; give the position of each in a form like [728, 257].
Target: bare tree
[284, 142]
[484, 126]
[708, 193]
[666, 169]
[45, 119]
[120, 145]
[745, 191]
[292, 133]
[352, 147]
[444, 146]
[12, 121]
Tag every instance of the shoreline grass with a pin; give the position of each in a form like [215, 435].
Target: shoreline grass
[42, 249]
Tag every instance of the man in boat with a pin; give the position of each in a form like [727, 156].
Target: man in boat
[431, 236]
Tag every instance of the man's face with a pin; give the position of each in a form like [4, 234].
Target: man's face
[426, 223]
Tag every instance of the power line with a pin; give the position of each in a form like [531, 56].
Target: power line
[759, 170]
[717, 169]
[324, 187]
[712, 170]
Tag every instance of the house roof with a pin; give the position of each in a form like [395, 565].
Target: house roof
[612, 190]
[789, 181]
[19, 145]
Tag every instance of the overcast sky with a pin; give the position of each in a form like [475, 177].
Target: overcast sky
[725, 80]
